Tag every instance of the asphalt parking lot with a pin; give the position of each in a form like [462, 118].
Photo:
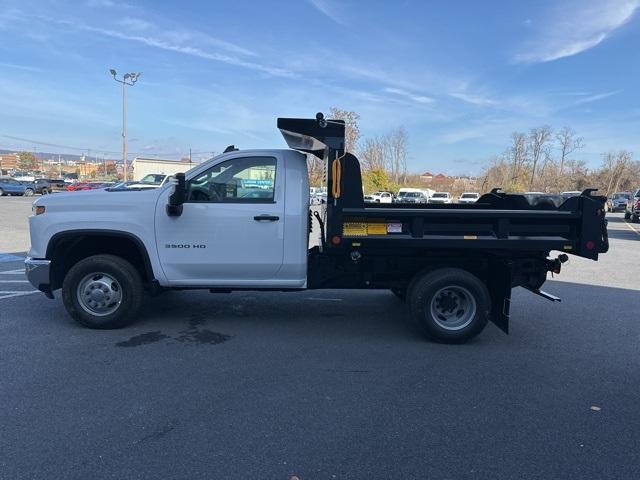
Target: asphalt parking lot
[322, 384]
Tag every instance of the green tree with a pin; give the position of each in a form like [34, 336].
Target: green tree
[26, 160]
[377, 180]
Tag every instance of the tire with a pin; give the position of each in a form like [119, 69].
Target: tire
[44, 191]
[627, 215]
[401, 293]
[1, 193]
[635, 218]
[28, 192]
[112, 278]
[466, 309]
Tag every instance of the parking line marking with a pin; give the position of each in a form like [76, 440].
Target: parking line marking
[14, 281]
[631, 227]
[16, 294]
[8, 257]
[13, 272]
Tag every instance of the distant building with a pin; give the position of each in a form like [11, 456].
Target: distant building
[143, 166]
[8, 161]
[426, 176]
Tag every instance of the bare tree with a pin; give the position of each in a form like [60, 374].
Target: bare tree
[567, 143]
[395, 144]
[517, 156]
[372, 154]
[538, 146]
[352, 129]
[615, 166]
[315, 167]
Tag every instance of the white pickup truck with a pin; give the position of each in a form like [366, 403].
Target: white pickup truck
[242, 221]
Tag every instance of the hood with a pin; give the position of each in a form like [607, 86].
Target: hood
[95, 200]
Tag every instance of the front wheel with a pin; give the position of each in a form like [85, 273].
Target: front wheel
[44, 191]
[635, 218]
[103, 292]
[449, 305]
[627, 215]
[1, 193]
[28, 192]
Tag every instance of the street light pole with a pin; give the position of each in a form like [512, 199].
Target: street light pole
[128, 79]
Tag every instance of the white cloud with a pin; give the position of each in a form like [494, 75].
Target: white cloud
[135, 23]
[176, 41]
[596, 97]
[329, 9]
[106, 4]
[409, 95]
[15, 66]
[474, 99]
[575, 28]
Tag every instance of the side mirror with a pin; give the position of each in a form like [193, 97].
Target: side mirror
[177, 198]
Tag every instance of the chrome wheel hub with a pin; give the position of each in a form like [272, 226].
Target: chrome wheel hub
[453, 307]
[99, 294]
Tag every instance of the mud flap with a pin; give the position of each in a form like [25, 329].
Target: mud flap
[500, 288]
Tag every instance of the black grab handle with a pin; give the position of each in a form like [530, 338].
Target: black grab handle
[270, 218]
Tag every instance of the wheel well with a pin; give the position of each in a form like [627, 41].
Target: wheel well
[68, 249]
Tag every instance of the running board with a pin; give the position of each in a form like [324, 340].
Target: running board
[543, 294]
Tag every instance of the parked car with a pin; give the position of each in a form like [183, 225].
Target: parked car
[618, 201]
[89, 186]
[632, 211]
[133, 185]
[151, 180]
[412, 197]
[48, 185]
[571, 193]
[441, 197]
[469, 197]
[379, 197]
[72, 187]
[10, 186]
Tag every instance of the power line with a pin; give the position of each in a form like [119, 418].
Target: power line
[32, 141]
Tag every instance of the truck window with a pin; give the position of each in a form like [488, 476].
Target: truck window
[239, 180]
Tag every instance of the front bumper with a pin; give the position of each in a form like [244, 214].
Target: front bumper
[39, 274]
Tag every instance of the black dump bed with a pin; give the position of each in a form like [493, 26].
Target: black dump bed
[498, 221]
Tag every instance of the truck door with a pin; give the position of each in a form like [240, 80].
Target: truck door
[231, 231]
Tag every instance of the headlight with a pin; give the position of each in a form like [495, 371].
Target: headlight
[38, 209]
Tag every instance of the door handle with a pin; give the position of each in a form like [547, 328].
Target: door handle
[269, 218]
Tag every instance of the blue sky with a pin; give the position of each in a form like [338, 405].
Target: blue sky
[459, 76]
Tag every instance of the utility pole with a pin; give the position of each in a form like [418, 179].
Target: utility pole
[190, 164]
[129, 79]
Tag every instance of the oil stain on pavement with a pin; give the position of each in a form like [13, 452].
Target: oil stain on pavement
[143, 339]
[194, 335]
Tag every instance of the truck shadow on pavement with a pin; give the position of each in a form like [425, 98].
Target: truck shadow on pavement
[589, 313]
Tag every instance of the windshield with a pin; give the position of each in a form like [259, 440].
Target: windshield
[617, 196]
[412, 194]
[469, 195]
[439, 195]
[153, 179]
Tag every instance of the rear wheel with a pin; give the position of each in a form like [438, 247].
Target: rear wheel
[635, 218]
[627, 215]
[449, 305]
[102, 291]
